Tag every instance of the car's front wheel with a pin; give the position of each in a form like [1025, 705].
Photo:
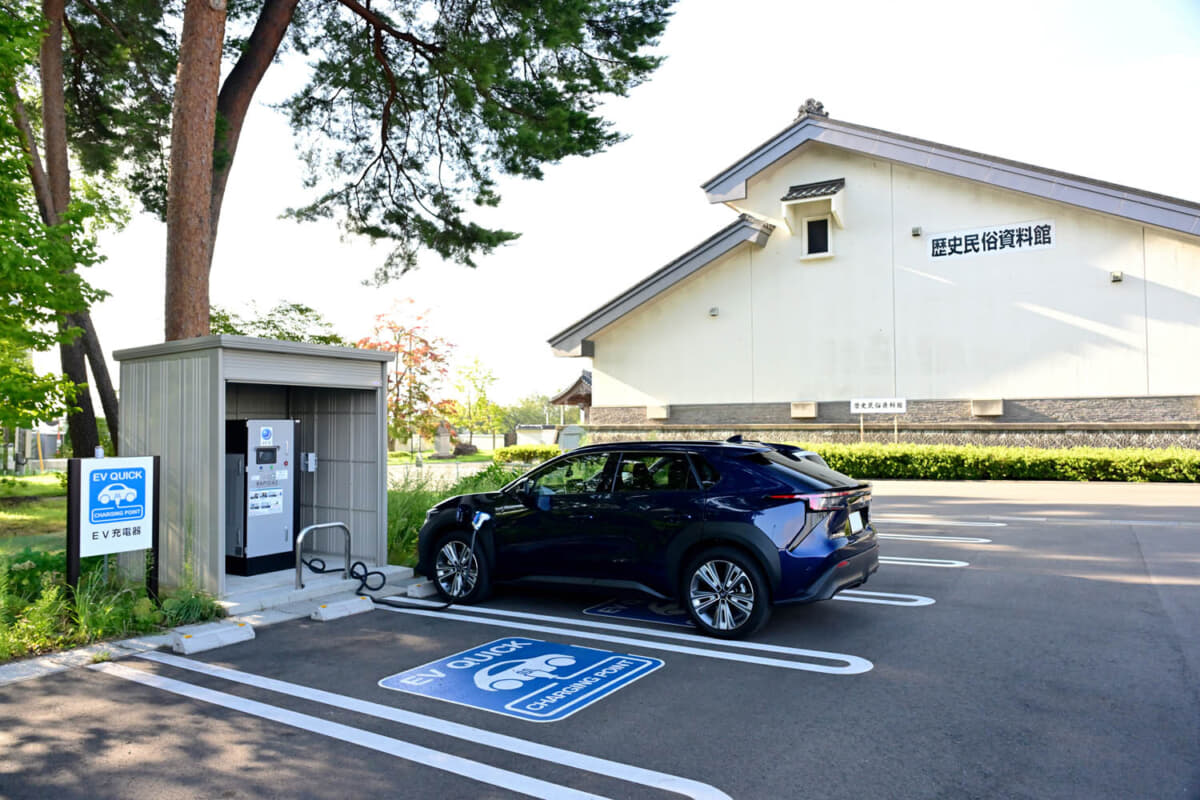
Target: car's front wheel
[725, 594]
[460, 570]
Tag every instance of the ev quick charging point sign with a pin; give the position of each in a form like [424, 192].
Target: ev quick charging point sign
[525, 678]
[116, 505]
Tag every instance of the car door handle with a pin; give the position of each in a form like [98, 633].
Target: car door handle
[678, 517]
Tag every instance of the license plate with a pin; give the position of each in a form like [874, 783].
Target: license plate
[856, 523]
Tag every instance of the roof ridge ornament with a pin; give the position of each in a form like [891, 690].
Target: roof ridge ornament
[812, 107]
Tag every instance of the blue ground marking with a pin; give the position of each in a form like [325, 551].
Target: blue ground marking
[525, 678]
[660, 611]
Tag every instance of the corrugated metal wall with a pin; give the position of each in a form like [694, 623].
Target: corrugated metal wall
[169, 406]
[339, 425]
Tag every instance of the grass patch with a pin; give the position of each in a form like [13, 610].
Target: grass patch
[410, 499]
[50, 484]
[33, 517]
[404, 457]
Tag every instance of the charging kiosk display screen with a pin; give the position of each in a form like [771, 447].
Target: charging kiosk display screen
[266, 455]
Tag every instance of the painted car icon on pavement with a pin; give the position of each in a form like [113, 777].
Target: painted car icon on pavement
[509, 675]
[117, 493]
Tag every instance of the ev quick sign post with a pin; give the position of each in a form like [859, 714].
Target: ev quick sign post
[111, 508]
[525, 678]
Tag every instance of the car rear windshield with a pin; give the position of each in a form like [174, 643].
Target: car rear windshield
[818, 476]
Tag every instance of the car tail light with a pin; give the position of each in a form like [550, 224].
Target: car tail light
[825, 501]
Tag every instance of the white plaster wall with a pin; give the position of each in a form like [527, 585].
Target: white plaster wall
[1173, 313]
[880, 318]
[1042, 323]
[823, 327]
[670, 351]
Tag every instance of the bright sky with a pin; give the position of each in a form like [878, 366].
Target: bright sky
[1107, 90]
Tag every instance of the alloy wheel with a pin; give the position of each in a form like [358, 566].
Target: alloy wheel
[457, 569]
[721, 594]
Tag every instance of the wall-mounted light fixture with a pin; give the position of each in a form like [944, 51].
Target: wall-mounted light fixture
[1116, 276]
[714, 312]
[916, 231]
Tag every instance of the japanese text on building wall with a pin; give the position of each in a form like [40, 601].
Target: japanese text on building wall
[996, 239]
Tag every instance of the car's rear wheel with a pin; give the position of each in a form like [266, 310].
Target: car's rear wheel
[725, 594]
[460, 570]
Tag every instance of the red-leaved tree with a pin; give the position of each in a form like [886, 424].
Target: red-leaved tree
[416, 377]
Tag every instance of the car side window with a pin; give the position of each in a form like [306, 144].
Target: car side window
[708, 475]
[576, 475]
[655, 472]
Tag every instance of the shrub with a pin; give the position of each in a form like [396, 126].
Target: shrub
[408, 502]
[526, 453]
[950, 462]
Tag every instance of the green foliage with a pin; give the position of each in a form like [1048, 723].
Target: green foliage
[39, 613]
[475, 412]
[408, 501]
[535, 409]
[526, 453]
[39, 284]
[286, 322]
[412, 107]
[946, 462]
[121, 63]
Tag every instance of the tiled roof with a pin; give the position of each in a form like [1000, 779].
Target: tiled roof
[810, 191]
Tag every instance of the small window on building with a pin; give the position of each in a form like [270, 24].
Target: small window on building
[817, 237]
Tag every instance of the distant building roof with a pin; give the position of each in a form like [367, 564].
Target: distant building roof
[578, 393]
[811, 191]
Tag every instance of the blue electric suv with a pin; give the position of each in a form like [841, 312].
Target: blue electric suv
[726, 529]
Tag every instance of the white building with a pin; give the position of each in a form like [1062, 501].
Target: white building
[992, 295]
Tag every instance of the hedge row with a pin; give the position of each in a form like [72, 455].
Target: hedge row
[526, 453]
[948, 462]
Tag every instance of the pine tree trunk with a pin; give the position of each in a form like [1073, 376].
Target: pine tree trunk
[80, 423]
[189, 187]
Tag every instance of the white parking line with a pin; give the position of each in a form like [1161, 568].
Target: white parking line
[950, 523]
[883, 598]
[854, 665]
[567, 758]
[921, 562]
[484, 773]
[913, 537]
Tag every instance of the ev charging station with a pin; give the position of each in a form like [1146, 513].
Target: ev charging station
[258, 439]
[262, 515]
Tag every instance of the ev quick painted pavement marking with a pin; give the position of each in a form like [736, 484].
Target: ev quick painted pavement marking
[465, 767]
[480, 736]
[524, 678]
[922, 562]
[844, 664]
[659, 611]
[944, 539]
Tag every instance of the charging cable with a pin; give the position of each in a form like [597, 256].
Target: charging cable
[477, 521]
